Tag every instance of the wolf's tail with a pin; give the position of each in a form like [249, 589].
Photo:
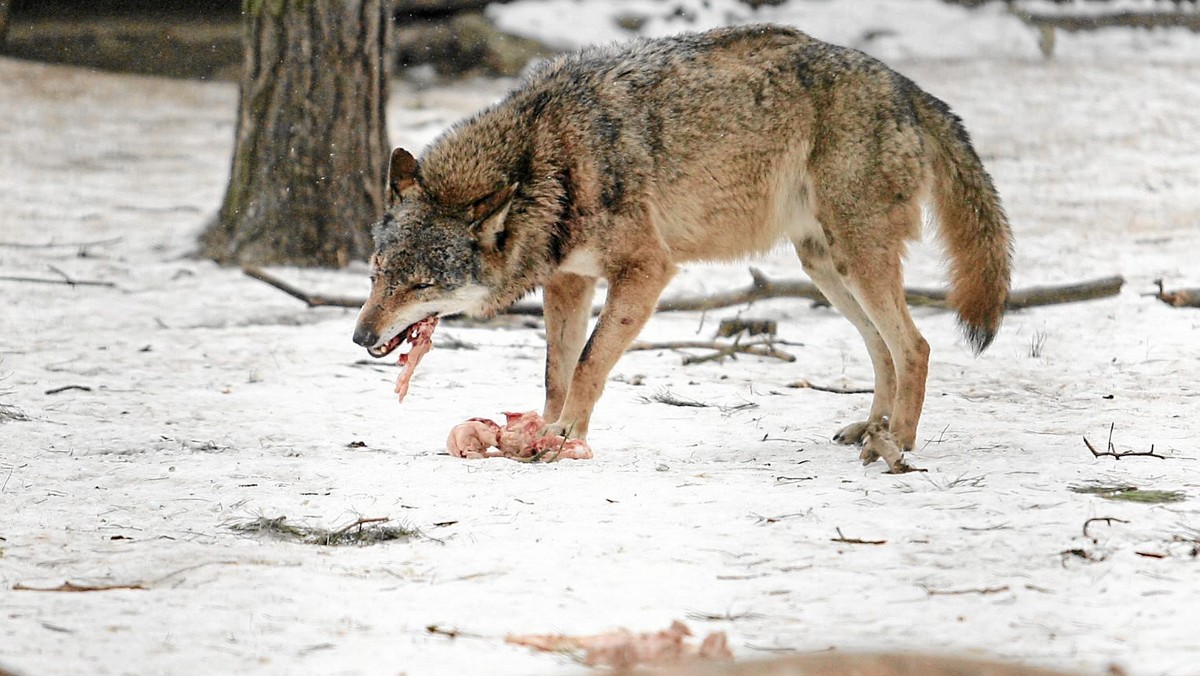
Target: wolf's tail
[971, 223]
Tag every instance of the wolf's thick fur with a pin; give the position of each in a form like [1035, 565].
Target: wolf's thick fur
[622, 162]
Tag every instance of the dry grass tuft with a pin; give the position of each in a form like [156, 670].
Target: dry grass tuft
[1131, 494]
[360, 533]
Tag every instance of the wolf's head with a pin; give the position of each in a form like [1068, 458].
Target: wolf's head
[432, 256]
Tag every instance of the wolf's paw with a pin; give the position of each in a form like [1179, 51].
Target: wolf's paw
[551, 447]
[555, 430]
[880, 443]
[854, 433]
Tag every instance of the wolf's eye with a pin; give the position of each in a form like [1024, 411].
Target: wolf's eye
[422, 285]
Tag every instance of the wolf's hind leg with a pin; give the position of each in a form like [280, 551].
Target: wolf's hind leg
[876, 282]
[568, 305]
[633, 293]
[819, 264]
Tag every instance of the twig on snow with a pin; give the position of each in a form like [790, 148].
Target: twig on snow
[64, 388]
[855, 541]
[781, 480]
[807, 385]
[1113, 453]
[1108, 521]
[451, 633]
[438, 631]
[68, 281]
[963, 592]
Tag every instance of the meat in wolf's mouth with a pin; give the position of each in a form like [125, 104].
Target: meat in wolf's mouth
[414, 334]
[420, 337]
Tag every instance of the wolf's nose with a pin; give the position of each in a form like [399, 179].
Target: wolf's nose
[365, 337]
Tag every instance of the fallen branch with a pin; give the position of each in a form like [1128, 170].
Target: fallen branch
[65, 245]
[1113, 453]
[69, 586]
[310, 299]
[1120, 19]
[763, 288]
[806, 385]
[68, 281]
[1037, 296]
[762, 348]
[1178, 298]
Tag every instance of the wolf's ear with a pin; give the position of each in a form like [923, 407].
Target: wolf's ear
[487, 217]
[402, 176]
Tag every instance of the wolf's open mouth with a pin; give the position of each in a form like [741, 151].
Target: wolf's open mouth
[416, 334]
[386, 349]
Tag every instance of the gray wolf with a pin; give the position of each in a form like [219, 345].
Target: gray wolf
[622, 162]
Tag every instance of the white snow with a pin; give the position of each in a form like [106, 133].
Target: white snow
[215, 399]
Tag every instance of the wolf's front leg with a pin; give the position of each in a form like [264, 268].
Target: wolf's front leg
[568, 305]
[632, 295]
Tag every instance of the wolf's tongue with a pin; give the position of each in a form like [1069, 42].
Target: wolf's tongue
[420, 335]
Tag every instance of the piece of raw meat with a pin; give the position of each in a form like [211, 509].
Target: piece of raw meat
[474, 439]
[420, 336]
[623, 649]
[519, 439]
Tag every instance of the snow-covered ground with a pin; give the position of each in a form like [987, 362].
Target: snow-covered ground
[214, 399]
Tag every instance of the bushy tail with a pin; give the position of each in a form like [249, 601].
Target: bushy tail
[971, 223]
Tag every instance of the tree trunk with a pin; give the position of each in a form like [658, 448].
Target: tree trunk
[310, 157]
[5, 11]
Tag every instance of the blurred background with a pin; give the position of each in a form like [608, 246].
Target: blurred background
[459, 38]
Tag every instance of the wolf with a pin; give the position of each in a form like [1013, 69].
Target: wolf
[622, 162]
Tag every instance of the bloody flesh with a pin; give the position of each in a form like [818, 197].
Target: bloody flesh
[420, 336]
[519, 439]
[623, 649]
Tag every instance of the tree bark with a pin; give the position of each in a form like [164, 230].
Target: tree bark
[310, 157]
